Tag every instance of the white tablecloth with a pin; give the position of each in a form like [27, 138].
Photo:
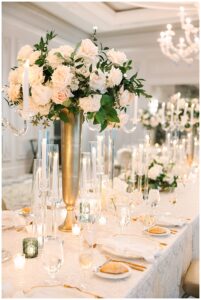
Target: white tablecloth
[162, 279]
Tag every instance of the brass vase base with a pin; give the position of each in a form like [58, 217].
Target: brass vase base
[67, 225]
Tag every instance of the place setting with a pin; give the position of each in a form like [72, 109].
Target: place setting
[100, 150]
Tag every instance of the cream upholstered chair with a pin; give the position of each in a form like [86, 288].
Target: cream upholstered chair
[124, 157]
[191, 280]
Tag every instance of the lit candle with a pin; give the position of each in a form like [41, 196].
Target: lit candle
[163, 113]
[25, 86]
[44, 160]
[135, 109]
[75, 229]
[192, 113]
[102, 220]
[19, 261]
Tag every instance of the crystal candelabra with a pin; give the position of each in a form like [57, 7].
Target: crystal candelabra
[188, 47]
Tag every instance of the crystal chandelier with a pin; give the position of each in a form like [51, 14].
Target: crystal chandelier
[188, 48]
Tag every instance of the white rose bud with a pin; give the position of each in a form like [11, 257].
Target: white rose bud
[41, 94]
[114, 77]
[87, 50]
[116, 57]
[24, 53]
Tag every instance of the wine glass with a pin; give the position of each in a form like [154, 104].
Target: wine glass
[52, 257]
[123, 214]
[154, 199]
[85, 260]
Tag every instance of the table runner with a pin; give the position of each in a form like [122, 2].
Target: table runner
[162, 279]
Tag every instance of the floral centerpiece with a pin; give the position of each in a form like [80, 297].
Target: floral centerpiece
[161, 174]
[88, 78]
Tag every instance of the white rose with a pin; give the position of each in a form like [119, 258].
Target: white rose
[24, 53]
[116, 57]
[90, 103]
[84, 70]
[41, 94]
[98, 81]
[65, 51]
[155, 171]
[59, 96]
[169, 178]
[35, 75]
[87, 50]
[125, 97]
[154, 122]
[62, 77]
[114, 77]
[33, 57]
[13, 92]
[15, 76]
[42, 109]
[53, 60]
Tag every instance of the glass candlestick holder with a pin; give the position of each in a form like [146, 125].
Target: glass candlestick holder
[30, 247]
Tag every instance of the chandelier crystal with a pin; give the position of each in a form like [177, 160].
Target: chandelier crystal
[188, 47]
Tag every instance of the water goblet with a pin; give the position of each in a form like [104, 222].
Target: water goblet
[52, 257]
[154, 199]
[123, 214]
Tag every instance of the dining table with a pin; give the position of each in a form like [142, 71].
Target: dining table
[161, 277]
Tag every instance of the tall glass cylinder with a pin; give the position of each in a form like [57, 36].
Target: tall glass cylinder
[53, 183]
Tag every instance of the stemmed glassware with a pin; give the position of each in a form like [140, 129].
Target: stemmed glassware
[154, 199]
[85, 260]
[52, 257]
[123, 215]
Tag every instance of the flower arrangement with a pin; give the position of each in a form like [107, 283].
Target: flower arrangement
[161, 174]
[184, 111]
[89, 78]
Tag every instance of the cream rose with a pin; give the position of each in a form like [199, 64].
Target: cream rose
[155, 171]
[62, 77]
[41, 109]
[125, 97]
[116, 57]
[59, 96]
[114, 77]
[13, 92]
[90, 103]
[52, 58]
[24, 53]
[87, 50]
[35, 75]
[41, 94]
[15, 76]
[65, 51]
[98, 81]
[33, 57]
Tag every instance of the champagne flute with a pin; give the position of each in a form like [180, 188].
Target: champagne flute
[85, 260]
[52, 257]
[154, 199]
[123, 214]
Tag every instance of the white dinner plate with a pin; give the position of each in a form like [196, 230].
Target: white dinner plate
[113, 276]
[167, 232]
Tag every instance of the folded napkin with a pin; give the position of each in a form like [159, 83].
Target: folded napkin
[170, 221]
[12, 219]
[131, 247]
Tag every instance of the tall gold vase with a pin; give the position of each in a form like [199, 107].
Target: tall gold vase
[70, 160]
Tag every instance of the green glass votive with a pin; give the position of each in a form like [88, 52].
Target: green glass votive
[30, 247]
